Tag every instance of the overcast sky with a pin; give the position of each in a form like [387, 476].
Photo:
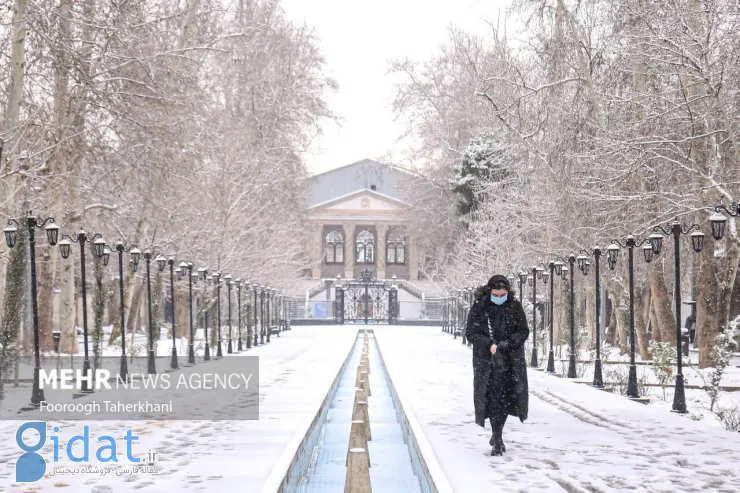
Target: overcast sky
[358, 38]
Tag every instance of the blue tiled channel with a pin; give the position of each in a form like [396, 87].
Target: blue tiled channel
[391, 468]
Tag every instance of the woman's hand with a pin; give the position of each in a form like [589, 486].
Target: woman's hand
[493, 349]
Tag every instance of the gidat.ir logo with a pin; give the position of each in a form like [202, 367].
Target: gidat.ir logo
[30, 466]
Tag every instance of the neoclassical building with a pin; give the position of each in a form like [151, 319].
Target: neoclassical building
[357, 221]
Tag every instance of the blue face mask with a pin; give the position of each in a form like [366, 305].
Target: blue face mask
[499, 300]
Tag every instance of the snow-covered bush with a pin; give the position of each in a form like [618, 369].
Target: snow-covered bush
[617, 376]
[664, 361]
[729, 417]
[726, 343]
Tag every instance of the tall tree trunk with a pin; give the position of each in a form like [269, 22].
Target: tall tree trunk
[735, 301]
[67, 308]
[727, 283]
[13, 308]
[611, 334]
[98, 306]
[182, 315]
[157, 307]
[132, 317]
[114, 311]
[661, 300]
[46, 283]
[641, 334]
[590, 312]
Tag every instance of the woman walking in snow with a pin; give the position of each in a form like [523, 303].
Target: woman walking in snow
[497, 328]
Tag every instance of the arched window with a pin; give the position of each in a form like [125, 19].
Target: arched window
[365, 247]
[395, 247]
[334, 247]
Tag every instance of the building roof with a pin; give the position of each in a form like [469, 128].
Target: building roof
[366, 174]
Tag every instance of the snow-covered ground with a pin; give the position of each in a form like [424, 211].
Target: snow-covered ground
[296, 372]
[577, 439]
[697, 400]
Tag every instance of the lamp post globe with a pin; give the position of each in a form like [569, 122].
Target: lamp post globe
[648, 251]
[697, 241]
[718, 221]
[52, 233]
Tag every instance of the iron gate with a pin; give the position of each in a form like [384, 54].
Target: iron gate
[366, 300]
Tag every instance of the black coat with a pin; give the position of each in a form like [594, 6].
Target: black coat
[509, 336]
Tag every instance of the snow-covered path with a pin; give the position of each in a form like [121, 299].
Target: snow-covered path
[296, 371]
[577, 439]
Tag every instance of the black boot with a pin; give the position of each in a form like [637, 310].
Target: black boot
[497, 443]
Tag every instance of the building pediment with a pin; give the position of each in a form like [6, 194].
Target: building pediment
[360, 202]
[366, 174]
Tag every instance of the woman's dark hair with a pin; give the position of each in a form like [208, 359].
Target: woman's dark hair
[501, 280]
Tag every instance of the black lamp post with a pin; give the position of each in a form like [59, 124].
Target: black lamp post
[255, 287]
[268, 314]
[697, 242]
[186, 269]
[522, 281]
[551, 353]
[151, 362]
[98, 249]
[613, 250]
[584, 265]
[560, 269]
[173, 364]
[247, 293]
[537, 273]
[216, 276]
[239, 309]
[203, 274]
[52, 235]
[135, 255]
[262, 314]
[227, 279]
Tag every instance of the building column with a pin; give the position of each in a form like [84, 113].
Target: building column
[317, 253]
[412, 256]
[349, 251]
[382, 231]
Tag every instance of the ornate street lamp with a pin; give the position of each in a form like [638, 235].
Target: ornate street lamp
[247, 293]
[697, 242]
[537, 273]
[613, 250]
[545, 276]
[559, 264]
[522, 281]
[186, 269]
[98, 246]
[239, 310]
[268, 314]
[255, 288]
[216, 276]
[262, 314]
[584, 265]
[203, 274]
[151, 361]
[227, 279]
[52, 235]
[171, 261]
[134, 253]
